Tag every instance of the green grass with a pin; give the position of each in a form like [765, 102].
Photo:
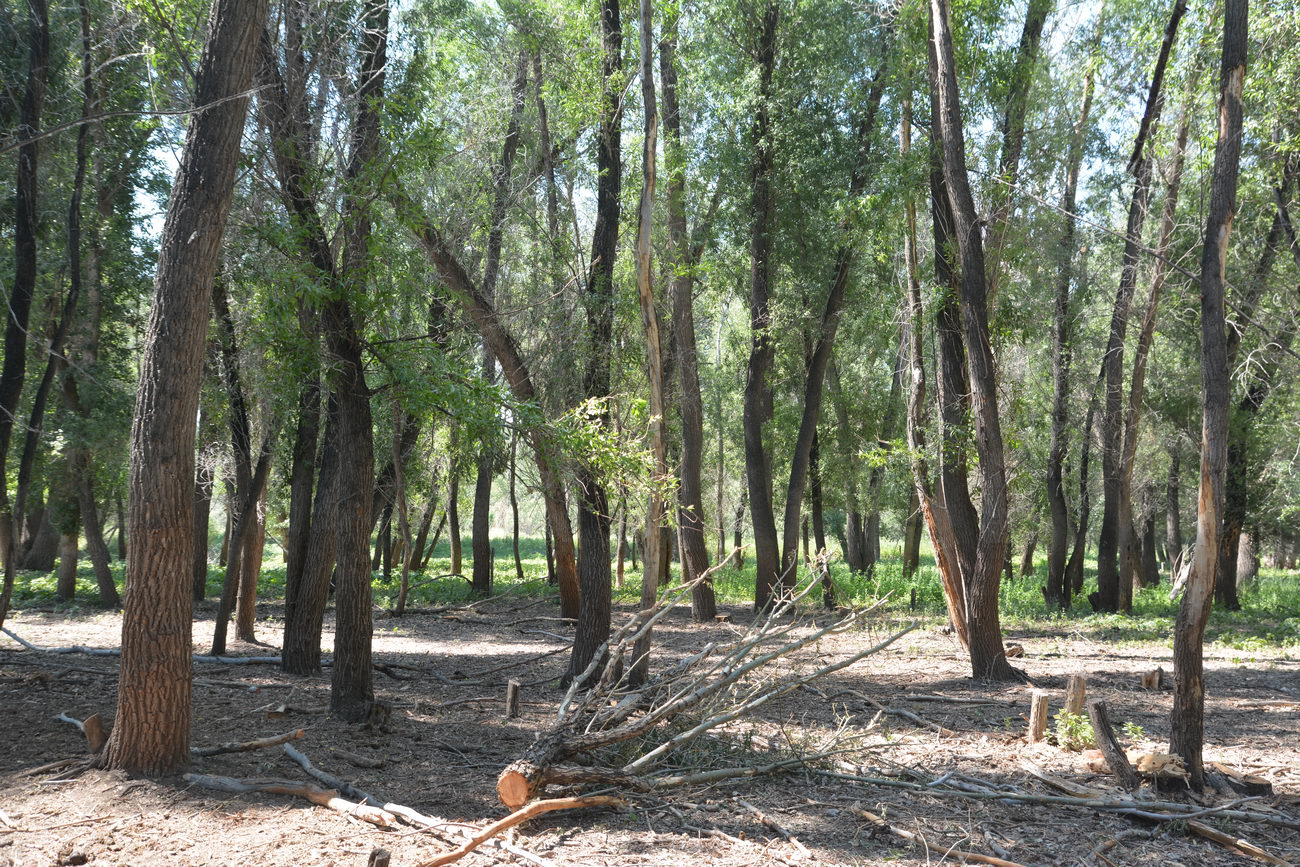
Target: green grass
[1269, 617]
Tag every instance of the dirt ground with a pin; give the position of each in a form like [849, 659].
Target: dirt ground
[441, 755]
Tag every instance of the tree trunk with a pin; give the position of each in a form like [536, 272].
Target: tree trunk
[937, 517]
[738, 528]
[1188, 718]
[26, 224]
[593, 499]
[251, 570]
[203, 477]
[151, 730]
[453, 520]
[1112, 593]
[1074, 567]
[690, 492]
[514, 510]
[66, 586]
[912, 537]
[988, 658]
[1057, 592]
[758, 392]
[876, 481]
[1173, 516]
[481, 580]
[519, 377]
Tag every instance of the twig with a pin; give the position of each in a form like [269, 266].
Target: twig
[919, 840]
[895, 711]
[523, 814]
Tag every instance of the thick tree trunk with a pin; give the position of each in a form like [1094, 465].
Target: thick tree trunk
[988, 657]
[151, 730]
[66, 581]
[912, 537]
[758, 392]
[1188, 719]
[351, 686]
[1113, 594]
[593, 499]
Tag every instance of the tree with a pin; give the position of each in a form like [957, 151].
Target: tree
[1188, 718]
[979, 556]
[152, 728]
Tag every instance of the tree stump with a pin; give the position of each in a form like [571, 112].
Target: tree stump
[512, 699]
[1037, 716]
[1109, 745]
[1076, 691]
[1154, 679]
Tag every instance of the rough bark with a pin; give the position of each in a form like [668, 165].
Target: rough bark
[656, 561]
[151, 730]
[351, 686]
[1188, 718]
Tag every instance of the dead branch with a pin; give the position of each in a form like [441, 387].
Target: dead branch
[776, 826]
[696, 695]
[322, 797]
[343, 786]
[240, 747]
[880, 824]
[522, 815]
[1235, 844]
[518, 662]
[92, 727]
[358, 760]
[894, 712]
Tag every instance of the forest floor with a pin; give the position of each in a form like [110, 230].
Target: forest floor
[448, 738]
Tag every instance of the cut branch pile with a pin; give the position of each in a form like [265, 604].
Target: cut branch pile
[609, 733]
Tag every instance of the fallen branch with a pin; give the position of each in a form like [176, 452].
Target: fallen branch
[895, 712]
[343, 786]
[880, 824]
[518, 662]
[322, 797]
[536, 808]
[1235, 844]
[775, 826]
[244, 746]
